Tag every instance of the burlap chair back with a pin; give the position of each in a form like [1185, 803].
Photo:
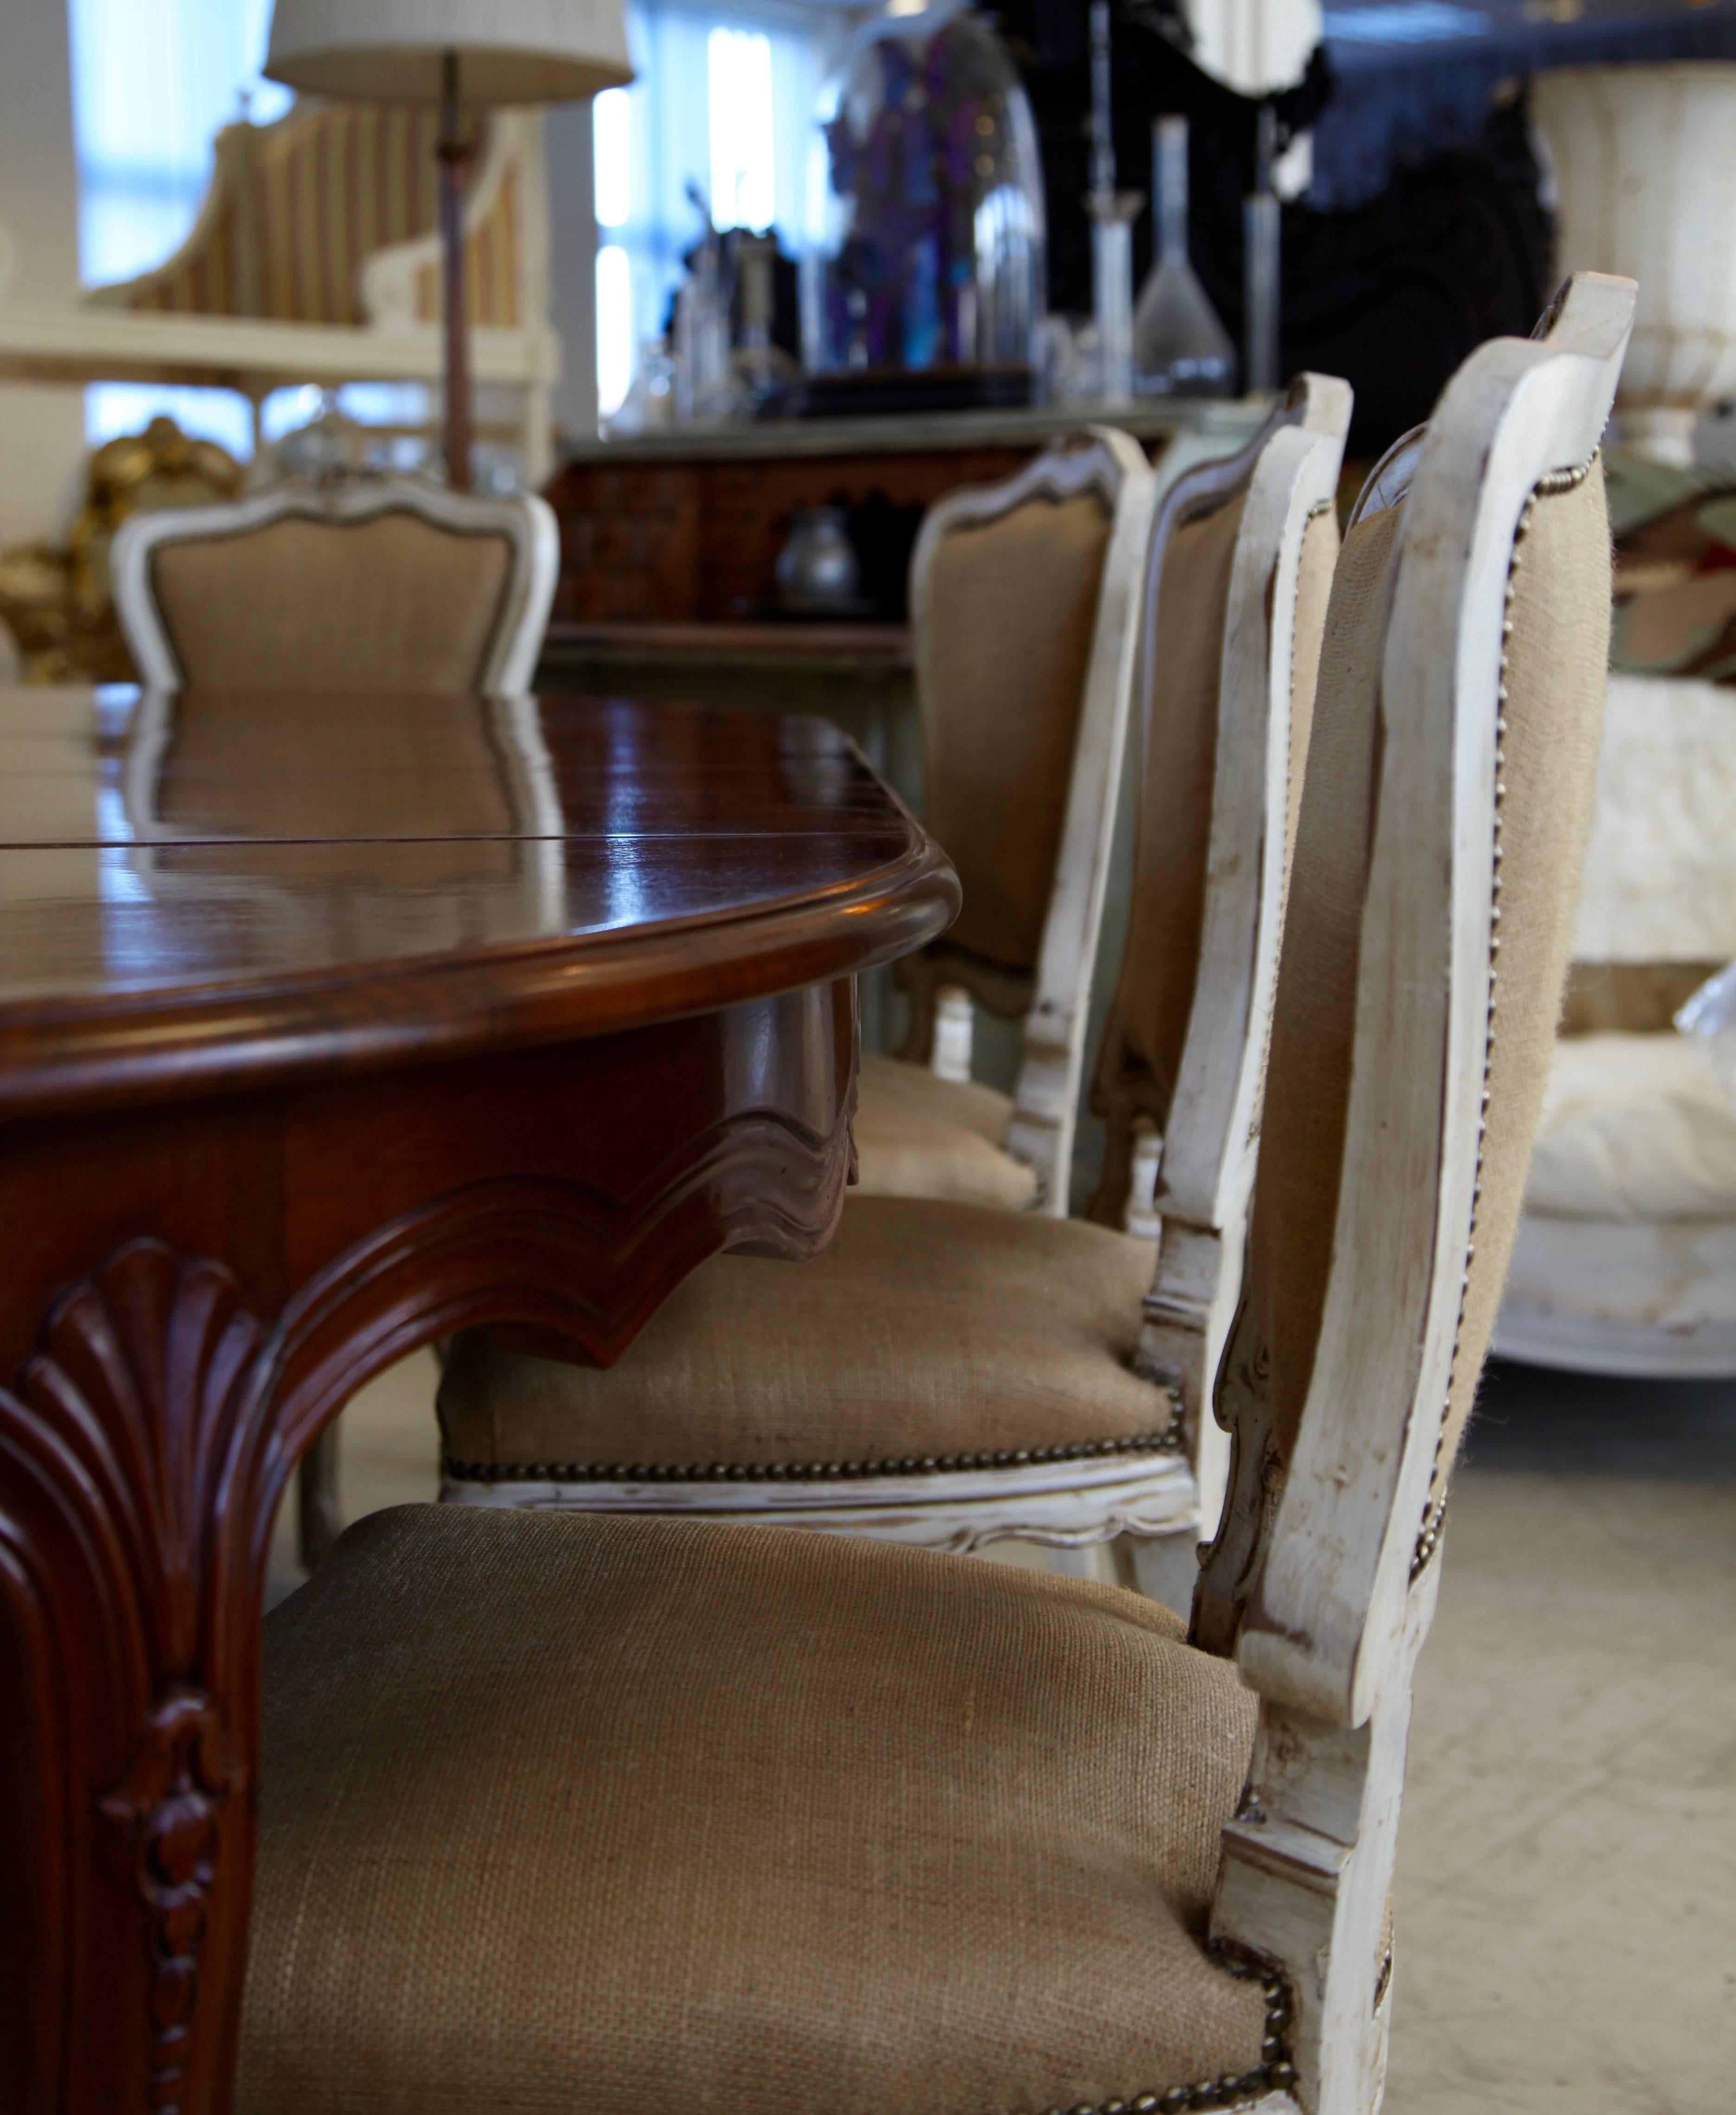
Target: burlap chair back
[1558, 609]
[383, 584]
[1155, 996]
[1003, 644]
[393, 602]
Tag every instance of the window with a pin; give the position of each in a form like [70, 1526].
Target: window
[738, 69]
[152, 81]
[721, 106]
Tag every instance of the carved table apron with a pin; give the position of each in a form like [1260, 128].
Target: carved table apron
[478, 1011]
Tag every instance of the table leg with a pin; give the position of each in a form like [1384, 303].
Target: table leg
[148, 1436]
[140, 1459]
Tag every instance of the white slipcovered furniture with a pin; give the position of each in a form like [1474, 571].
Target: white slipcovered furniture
[1626, 1257]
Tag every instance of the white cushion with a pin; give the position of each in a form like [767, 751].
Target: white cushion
[1661, 872]
[1634, 1127]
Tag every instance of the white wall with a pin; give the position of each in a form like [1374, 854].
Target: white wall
[1255, 45]
[42, 425]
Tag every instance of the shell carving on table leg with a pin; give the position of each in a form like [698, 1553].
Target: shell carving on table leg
[126, 1432]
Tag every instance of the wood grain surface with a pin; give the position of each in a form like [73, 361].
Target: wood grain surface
[327, 1027]
[199, 890]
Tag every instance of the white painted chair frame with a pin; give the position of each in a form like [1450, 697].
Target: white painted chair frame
[1289, 470]
[526, 522]
[1323, 1579]
[1045, 1097]
[1205, 1167]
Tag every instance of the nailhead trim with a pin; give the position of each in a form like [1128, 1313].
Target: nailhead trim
[1555, 483]
[1275, 2074]
[1166, 1442]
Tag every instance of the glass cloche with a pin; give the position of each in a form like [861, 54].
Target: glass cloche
[927, 193]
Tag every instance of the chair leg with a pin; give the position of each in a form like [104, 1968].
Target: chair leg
[320, 1520]
[1091, 1560]
[1165, 1567]
[954, 1024]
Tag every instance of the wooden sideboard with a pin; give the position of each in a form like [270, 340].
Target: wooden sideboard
[684, 527]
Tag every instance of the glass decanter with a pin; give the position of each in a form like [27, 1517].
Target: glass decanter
[1181, 348]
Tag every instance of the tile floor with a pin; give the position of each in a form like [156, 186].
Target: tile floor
[1567, 1866]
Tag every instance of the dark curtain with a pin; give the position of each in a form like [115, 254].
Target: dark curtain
[1392, 295]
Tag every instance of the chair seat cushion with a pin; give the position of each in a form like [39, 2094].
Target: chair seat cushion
[917, 1135]
[1634, 1127]
[563, 1812]
[925, 1331]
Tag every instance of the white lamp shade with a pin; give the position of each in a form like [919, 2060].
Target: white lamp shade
[508, 51]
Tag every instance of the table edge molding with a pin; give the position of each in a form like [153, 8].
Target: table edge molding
[60, 1059]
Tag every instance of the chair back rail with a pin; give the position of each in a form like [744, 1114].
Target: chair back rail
[1052, 984]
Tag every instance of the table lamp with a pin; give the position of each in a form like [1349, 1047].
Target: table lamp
[461, 54]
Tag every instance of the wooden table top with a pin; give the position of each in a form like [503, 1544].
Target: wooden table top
[203, 886]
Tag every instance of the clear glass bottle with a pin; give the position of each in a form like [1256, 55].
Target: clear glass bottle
[1262, 223]
[1181, 348]
[927, 189]
[1112, 215]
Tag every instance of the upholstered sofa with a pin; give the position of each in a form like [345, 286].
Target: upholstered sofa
[1626, 1256]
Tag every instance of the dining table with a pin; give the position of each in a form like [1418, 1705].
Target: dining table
[330, 1024]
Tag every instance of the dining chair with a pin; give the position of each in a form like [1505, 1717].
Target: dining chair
[1023, 600]
[654, 1813]
[1223, 740]
[347, 584]
[955, 1374]
[386, 583]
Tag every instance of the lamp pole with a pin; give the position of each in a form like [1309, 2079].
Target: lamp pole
[455, 151]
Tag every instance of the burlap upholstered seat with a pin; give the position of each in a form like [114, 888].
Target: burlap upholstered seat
[918, 1136]
[647, 1814]
[570, 1812]
[924, 1331]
